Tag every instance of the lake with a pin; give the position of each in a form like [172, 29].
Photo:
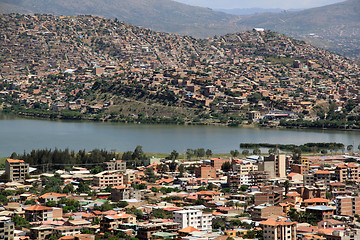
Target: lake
[18, 135]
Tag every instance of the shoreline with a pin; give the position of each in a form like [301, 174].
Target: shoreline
[249, 126]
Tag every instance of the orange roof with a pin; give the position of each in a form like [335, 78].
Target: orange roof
[293, 194]
[341, 166]
[14, 160]
[318, 200]
[37, 208]
[66, 238]
[292, 174]
[189, 229]
[322, 172]
[208, 193]
[120, 187]
[53, 194]
[273, 222]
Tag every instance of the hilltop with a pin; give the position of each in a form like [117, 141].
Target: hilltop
[89, 67]
[159, 15]
[335, 27]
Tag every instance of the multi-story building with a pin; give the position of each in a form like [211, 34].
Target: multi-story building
[129, 176]
[279, 229]
[114, 164]
[344, 172]
[343, 235]
[245, 168]
[303, 168]
[108, 178]
[257, 178]
[194, 218]
[205, 172]
[16, 170]
[218, 162]
[235, 181]
[273, 197]
[6, 228]
[109, 222]
[274, 165]
[67, 230]
[37, 213]
[347, 205]
[120, 193]
[265, 211]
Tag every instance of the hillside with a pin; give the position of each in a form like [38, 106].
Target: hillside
[335, 27]
[159, 15]
[88, 67]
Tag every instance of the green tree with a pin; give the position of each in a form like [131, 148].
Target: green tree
[245, 152]
[234, 153]
[173, 155]
[20, 222]
[150, 174]
[257, 151]
[226, 166]
[287, 185]
[122, 204]
[84, 187]
[69, 188]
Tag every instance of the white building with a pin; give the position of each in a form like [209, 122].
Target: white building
[194, 218]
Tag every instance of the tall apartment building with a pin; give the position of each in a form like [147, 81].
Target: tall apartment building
[16, 169]
[118, 165]
[6, 228]
[344, 172]
[347, 205]
[279, 229]
[274, 165]
[105, 179]
[194, 218]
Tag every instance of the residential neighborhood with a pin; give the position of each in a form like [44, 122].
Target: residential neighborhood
[88, 67]
[275, 196]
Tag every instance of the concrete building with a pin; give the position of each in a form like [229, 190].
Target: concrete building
[218, 162]
[110, 178]
[245, 168]
[274, 165]
[194, 218]
[120, 193]
[254, 115]
[205, 172]
[344, 172]
[37, 213]
[114, 164]
[16, 170]
[235, 181]
[265, 211]
[347, 205]
[279, 229]
[6, 228]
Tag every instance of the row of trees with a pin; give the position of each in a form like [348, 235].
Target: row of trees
[57, 159]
